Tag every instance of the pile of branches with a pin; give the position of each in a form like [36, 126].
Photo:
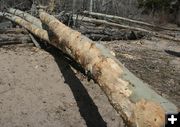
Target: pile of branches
[98, 27]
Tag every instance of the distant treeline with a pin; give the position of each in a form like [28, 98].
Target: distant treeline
[168, 10]
[159, 5]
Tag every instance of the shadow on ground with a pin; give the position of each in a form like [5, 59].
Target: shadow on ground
[87, 107]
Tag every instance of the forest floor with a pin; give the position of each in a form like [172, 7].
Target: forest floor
[39, 88]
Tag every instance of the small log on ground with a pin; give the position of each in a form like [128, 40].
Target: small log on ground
[41, 33]
[139, 105]
[7, 24]
[13, 31]
[26, 16]
[6, 39]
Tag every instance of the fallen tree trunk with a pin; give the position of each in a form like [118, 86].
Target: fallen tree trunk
[26, 16]
[139, 105]
[104, 22]
[41, 33]
[5, 25]
[108, 34]
[13, 31]
[105, 37]
[6, 39]
[113, 17]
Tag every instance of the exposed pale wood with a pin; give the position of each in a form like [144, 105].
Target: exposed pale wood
[131, 98]
[26, 16]
[113, 17]
[41, 33]
[25, 45]
[42, 7]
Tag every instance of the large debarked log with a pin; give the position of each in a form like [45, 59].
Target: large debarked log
[138, 104]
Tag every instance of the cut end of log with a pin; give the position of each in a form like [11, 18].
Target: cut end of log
[148, 114]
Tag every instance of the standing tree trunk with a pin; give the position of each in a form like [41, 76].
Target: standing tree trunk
[91, 6]
[139, 105]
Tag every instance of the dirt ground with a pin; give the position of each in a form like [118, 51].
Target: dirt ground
[41, 89]
[38, 89]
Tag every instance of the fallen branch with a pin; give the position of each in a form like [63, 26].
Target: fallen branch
[131, 98]
[34, 41]
[112, 17]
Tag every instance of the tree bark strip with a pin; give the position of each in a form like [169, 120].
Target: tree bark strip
[34, 41]
[41, 33]
[113, 17]
[131, 98]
